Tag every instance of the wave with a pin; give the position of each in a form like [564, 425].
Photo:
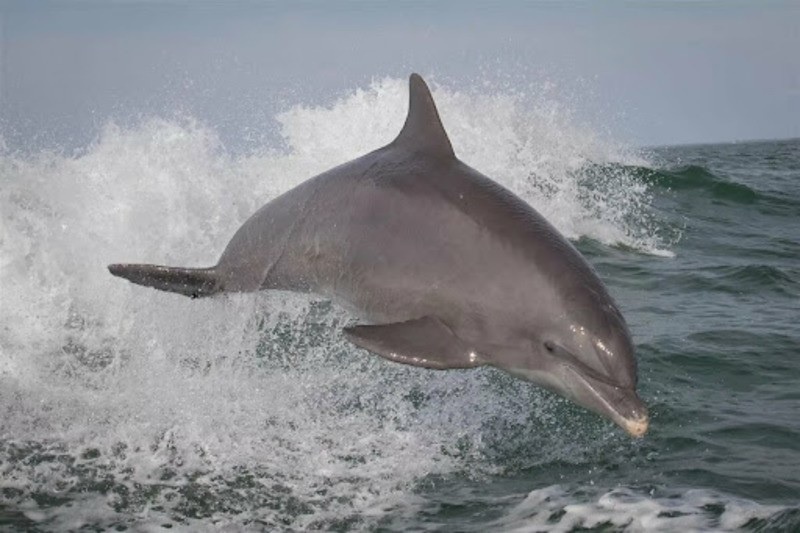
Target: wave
[697, 179]
[555, 509]
[694, 177]
[687, 178]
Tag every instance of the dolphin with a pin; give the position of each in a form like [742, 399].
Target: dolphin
[447, 268]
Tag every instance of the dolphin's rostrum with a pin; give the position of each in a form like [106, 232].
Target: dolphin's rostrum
[450, 269]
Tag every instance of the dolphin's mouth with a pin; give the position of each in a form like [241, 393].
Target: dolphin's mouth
[600, 394]
[620, 404]
[636, 427]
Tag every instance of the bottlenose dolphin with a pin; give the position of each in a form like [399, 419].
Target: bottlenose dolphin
[450, 269]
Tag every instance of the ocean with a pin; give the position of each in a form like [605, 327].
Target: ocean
[127, 409]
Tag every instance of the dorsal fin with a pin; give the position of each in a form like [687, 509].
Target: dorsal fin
[423, 130]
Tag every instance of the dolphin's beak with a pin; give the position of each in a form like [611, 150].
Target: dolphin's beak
[637, 427]
[619, 404]
[623, 407]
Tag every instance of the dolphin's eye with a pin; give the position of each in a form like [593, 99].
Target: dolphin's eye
[549, 346]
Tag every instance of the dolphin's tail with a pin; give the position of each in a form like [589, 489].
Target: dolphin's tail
[192, 282]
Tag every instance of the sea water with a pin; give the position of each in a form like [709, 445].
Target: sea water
[126, 408]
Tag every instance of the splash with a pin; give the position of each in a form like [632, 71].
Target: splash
[166, 407]
[555, 509]
[526, 142]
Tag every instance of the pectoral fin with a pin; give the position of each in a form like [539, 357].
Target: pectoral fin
[427, 342]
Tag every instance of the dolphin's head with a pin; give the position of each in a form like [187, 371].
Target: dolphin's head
[585, 353]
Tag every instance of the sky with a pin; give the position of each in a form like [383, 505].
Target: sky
[645, 73]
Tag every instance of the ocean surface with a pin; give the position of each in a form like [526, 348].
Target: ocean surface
[124, 408]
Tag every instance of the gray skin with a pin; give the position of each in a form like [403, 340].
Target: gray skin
[451, 269]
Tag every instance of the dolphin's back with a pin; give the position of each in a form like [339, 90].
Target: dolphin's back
[400, 234]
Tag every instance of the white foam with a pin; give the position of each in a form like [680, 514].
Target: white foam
[555, 509]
